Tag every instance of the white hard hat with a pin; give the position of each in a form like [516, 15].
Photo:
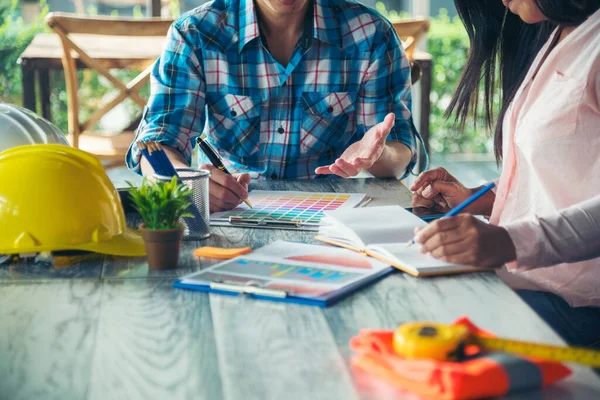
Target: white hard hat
[19, 126]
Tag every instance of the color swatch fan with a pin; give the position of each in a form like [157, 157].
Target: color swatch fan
[282, 209]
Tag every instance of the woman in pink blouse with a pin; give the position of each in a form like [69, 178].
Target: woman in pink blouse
[545, 214]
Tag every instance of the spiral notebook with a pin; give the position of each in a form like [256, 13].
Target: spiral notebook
[290, 272]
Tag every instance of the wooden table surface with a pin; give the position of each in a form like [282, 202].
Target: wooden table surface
[108, 328]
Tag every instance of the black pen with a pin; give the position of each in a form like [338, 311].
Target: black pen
[215, 160]
[235, 220]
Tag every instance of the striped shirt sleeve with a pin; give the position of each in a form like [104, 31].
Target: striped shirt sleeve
[570, 235]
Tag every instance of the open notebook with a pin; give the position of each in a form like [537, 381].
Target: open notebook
[383, 233]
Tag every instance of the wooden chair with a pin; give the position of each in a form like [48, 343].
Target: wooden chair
[109, 147]
[411, 31]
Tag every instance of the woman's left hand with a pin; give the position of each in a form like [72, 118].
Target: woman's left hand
[466, 240]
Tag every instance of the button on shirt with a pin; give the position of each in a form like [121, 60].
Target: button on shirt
[551, 162]
[216, 76]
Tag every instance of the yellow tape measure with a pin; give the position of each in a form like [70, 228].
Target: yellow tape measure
[444, 342]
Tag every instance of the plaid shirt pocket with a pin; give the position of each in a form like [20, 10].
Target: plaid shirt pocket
[234, 122]
[328, 121]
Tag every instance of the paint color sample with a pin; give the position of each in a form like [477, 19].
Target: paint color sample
[301, 270]
[289, 272]
[340, 261]
[303, 207]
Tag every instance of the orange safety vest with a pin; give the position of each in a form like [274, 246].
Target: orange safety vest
[479, 375]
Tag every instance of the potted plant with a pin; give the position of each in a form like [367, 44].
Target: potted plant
[161, 205]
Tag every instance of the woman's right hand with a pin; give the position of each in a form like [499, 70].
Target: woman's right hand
[439, 190]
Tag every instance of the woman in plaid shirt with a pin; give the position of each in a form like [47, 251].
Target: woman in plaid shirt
[283, 89]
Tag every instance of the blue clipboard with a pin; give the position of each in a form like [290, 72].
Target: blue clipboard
[281, 296]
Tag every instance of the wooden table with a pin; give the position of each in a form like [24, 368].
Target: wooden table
[108, 328]
[45, 52]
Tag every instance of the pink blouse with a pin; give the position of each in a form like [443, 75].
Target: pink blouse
[551, 156]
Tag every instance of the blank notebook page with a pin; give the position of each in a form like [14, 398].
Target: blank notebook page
[389, 224]
[412, 258]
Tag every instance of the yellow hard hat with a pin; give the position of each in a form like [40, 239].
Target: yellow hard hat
[54, 197]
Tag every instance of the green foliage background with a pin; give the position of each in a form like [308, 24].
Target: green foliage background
[447, 42]
[15, 36]
[449, 45]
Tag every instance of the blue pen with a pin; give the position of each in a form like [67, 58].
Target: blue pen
[464, 204]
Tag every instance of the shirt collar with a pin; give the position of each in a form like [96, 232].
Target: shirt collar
[325, 25]
[247, 23]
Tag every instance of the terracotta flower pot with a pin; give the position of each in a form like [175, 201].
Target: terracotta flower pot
[162, 247]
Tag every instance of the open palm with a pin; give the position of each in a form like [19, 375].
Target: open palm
[362, 154]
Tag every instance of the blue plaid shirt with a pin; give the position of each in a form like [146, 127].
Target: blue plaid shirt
[217, 76]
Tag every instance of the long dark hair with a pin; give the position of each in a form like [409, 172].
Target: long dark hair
[503, 48]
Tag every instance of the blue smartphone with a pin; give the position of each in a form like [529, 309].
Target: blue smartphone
[426, 214]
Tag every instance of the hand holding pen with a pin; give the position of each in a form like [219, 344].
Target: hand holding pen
[227, 191]
[466, 240]
[458, 209]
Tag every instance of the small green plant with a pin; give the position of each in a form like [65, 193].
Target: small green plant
[161, 204]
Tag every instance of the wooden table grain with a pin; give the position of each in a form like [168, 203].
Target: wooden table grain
[109, 328]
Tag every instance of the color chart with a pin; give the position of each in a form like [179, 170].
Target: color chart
[246, 266]
[277, 208]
